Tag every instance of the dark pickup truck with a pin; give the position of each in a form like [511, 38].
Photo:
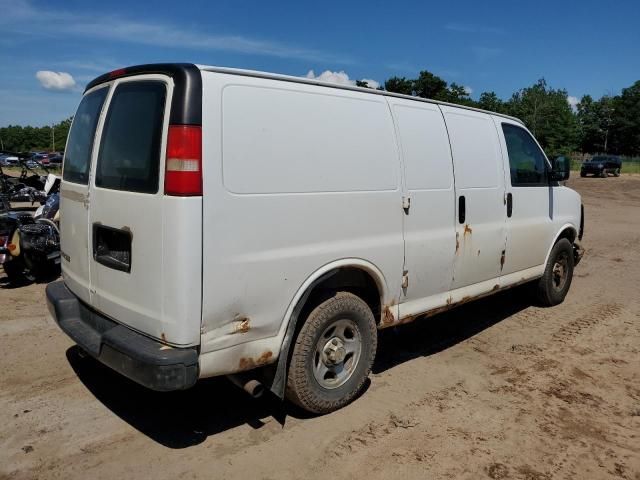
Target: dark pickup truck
[602, 166]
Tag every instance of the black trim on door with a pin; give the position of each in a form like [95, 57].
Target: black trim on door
[186, 105]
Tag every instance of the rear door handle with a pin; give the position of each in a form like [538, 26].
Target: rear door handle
[509, 204]
[462, 209]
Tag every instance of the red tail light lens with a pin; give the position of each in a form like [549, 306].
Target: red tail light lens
[183, 170]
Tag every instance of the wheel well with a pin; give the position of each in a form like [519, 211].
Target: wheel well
[568, 233]
[345, 279]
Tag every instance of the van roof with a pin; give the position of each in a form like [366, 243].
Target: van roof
[173, 68]
[313, 81]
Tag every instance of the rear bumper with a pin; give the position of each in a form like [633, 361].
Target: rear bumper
[143, 360]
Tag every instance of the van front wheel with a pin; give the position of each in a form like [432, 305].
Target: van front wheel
[332, 355]
[556, 280]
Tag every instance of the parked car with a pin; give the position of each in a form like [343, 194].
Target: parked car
[8, 160]
[42, 158]
[55, 160]
[286, 221]
[602, 166]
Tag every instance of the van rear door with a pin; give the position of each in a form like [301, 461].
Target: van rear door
[126, 213]
[133, 237]
[74, 192]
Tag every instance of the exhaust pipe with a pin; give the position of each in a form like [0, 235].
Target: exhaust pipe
[252, 386]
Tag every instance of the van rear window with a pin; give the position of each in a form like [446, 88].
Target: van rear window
[129, 157]
[77, 155]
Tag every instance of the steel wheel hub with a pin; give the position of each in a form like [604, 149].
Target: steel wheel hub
[337, 353]
[559, 273]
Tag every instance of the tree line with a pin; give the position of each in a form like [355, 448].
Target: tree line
[16, 138]
[610, 124]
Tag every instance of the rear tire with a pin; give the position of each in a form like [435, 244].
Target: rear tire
[554, 284]
[332, 355]
[16, 273]
[616, 172]
[582, 174]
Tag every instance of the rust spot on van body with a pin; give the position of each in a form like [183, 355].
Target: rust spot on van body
[457, 242]
[163, 337]
[241, 325]
[467, 229]
[388, 317]
[502, 258]
[495, 287]
[248, 363]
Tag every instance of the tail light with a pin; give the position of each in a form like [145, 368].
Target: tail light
[183, 169]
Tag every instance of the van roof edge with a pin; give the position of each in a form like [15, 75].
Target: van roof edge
[173, 68]
[310, 81]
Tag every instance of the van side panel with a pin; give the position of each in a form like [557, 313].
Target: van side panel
[295, 177]
[479, 178]
[429, 229]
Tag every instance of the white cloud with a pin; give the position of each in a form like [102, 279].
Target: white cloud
[468, 89]
[340, 78]
[371, 83]
[573, 102]
[100, 25]
[58, 81]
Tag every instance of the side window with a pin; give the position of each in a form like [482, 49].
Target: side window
[129, 157]
[77, 155]
[526, 161]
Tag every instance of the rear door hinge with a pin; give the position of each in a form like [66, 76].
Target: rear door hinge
[406, 204]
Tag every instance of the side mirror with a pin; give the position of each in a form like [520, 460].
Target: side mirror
[561, 168]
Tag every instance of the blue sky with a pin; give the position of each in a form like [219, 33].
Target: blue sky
[583, 46]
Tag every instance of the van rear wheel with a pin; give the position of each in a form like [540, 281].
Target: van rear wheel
[556, 280]
[332, 355]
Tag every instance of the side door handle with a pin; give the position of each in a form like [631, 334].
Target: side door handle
[462, 209]
[509, 204]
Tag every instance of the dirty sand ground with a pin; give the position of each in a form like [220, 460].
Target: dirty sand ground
[495, 389]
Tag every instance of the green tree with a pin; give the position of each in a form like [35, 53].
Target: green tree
[459, 94]
[548, 115]
[16, 138]
[428, 85]
[595, 119]
[399, 85]
[625, 124]
[490, 101]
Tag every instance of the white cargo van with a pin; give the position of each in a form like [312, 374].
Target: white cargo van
[218, 221]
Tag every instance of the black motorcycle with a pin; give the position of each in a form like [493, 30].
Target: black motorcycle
[30, 244]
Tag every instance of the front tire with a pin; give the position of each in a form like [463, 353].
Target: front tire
[616, 172]
[603, 173]
[332, 355]
[556, 280]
